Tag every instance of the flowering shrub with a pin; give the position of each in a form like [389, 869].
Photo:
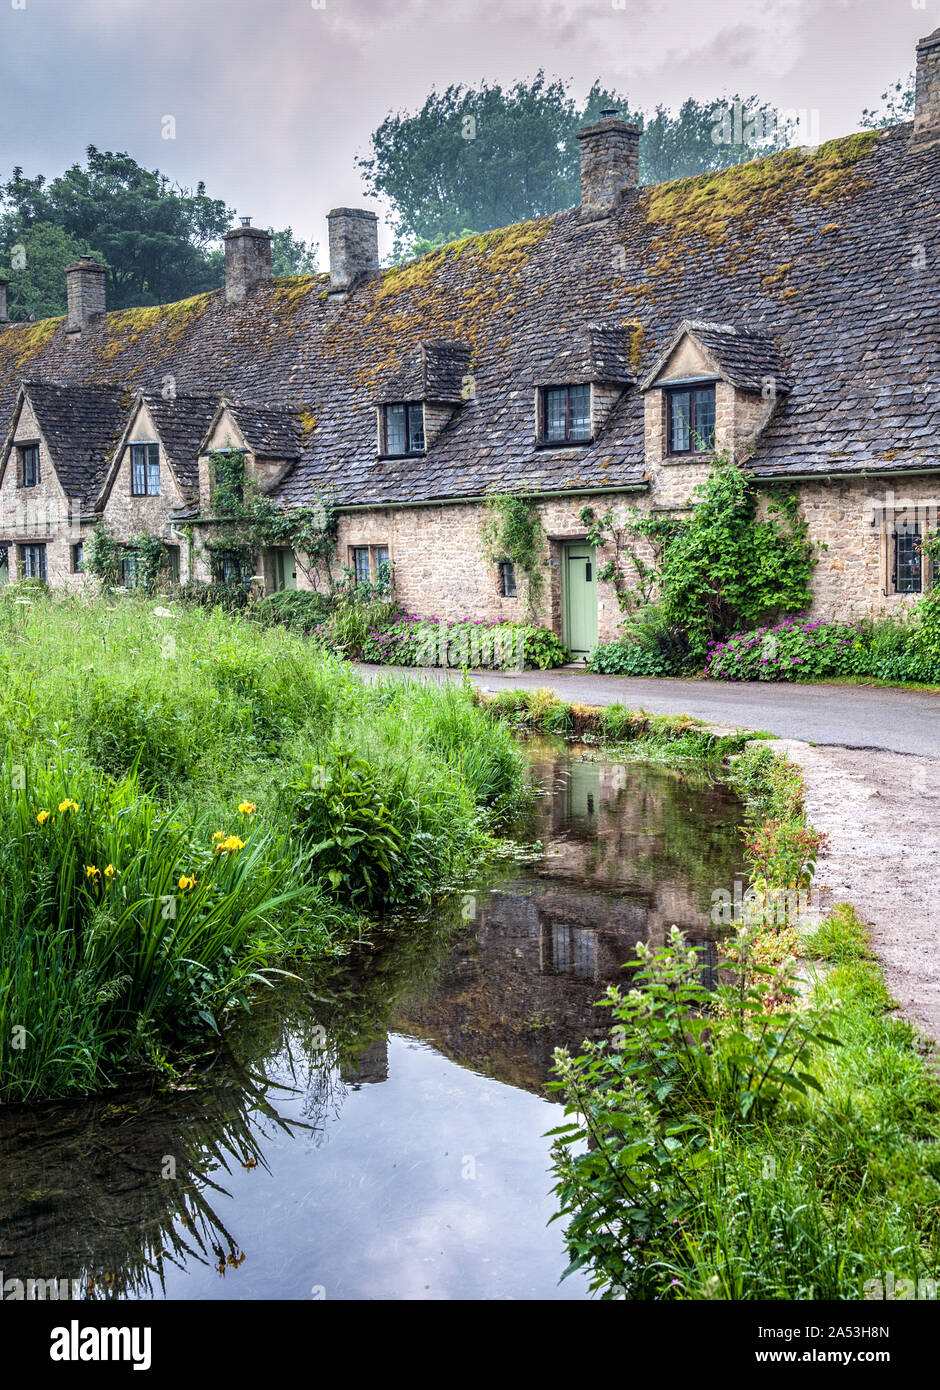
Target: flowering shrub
[783, 853]
[795, 649]
[411, 641]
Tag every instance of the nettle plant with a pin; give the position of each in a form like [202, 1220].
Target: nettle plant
[643, 1106]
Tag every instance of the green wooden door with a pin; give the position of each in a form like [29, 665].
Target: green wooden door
[579, 576]
[285, 570]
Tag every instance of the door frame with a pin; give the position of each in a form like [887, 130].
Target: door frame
[567, 546]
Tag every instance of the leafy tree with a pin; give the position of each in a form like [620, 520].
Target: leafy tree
[155, 237]
[706, 135]
[487, 156]
[897, 106]
[36, 261]
[479, 157]
[292, 256]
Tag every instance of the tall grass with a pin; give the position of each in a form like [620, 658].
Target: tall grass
[179, 868]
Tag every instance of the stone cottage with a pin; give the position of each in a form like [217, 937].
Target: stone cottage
[784, 311]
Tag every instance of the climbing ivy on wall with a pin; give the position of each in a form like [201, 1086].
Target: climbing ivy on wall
[228, 482]
[513, 531]
[725, 567]
[105, 555]
[252, 522]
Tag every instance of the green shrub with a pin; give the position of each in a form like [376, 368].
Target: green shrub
[625, 657]
[543, 650]
[350, 834]
[230, 595]
[301, 610]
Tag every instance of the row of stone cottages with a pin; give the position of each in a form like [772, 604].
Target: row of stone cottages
[784, 311]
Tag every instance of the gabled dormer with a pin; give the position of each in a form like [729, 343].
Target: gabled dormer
[712, 389]
[418, 400]
[580, 385]
[154, 467]
[271, 439]
[59, 444]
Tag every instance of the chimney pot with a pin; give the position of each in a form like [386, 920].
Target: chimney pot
[354, 246]
[85, 282]
[927, 91]
[610, 163]
[247, 260]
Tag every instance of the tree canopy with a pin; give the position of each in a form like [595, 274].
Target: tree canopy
[475, 158]
[160, 242]
[897, 105]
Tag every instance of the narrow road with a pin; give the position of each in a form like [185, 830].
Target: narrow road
[847, 716]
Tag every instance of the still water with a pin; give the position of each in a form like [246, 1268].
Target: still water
[378, 1132]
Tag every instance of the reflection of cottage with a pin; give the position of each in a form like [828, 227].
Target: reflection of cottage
[368, 1066]
[783, 311]
[544, 948]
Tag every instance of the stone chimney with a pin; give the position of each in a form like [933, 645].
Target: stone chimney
[354, 247]
[927, 91]
[247, 260]
[3, 299]
[85, 284]
[610, 163]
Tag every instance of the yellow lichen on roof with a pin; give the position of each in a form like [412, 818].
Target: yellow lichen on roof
[706, 204]
[637, 342]
[167, 322]
[450, 293]
[290, 291]
[21, 342]
[308, 423]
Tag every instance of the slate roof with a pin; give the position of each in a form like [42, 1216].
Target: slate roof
[818, 253]
[81, 427]
[433, 371]
[742, 356]
[594, 353]
[274, 433]
[181, 423]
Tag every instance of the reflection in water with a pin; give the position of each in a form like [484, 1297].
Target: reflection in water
[377, 1132]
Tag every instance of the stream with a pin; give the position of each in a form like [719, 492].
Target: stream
[376, 1131]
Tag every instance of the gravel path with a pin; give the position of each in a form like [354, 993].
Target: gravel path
[881, 812]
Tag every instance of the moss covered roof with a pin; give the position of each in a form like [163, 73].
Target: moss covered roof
[829, 255]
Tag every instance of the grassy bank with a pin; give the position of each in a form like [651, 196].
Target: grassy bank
[777, 1139]
[194, 801]
[672, 735]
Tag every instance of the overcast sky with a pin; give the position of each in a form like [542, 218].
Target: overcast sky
[274, 99]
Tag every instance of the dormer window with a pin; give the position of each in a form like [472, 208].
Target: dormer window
[403, 429]
[145, 470]
[691, 412]
[566, 415]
